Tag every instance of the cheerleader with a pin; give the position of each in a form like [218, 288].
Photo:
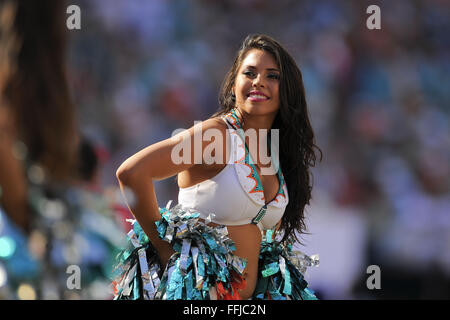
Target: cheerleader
[231, 234]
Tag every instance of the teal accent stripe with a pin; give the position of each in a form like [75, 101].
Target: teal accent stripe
[255, 175]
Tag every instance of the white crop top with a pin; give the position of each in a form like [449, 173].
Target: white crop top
[235, 195]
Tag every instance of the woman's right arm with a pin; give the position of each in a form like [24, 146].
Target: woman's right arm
[156, 162]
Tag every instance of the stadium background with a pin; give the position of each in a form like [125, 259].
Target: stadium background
[378, 102]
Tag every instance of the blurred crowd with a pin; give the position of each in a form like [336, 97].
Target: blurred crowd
[378, 102]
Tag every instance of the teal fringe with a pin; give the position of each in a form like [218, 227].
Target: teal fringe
[203, 257]
[280, 272]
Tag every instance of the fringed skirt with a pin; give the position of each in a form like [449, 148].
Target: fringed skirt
[204, 266]
[281, 270]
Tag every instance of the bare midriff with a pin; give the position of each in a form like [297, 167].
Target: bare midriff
[247, 240]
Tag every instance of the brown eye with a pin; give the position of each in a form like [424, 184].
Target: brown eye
[274, 76]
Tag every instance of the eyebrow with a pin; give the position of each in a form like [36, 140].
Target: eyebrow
[269, 69]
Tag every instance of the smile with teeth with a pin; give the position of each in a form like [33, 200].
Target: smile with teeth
[257, 97]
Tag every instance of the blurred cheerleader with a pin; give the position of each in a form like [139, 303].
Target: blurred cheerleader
[47, 221]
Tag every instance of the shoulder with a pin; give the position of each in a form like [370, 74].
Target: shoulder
[210, 129]
[200, 126]
[214, 123]
[215, 141]
[208, 136]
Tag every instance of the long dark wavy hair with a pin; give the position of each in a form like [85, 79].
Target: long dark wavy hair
[37, 91]
[297, 142]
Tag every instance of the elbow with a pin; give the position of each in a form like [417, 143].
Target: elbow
[133, 171]
[125, 174]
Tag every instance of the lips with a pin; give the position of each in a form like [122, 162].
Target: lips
[257, 96]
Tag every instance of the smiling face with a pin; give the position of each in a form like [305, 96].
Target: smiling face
[257, 82]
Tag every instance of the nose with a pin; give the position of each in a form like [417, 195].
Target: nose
[257, 81]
